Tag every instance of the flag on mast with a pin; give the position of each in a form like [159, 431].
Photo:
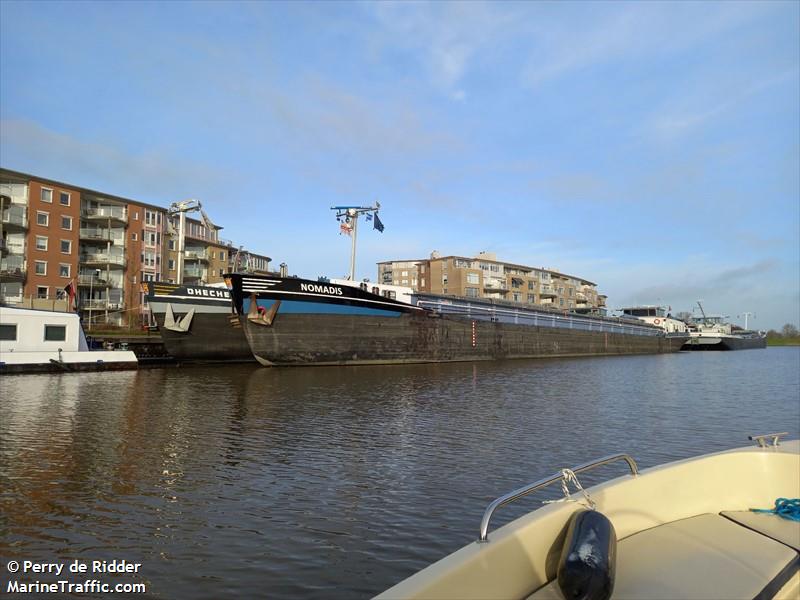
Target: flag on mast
[69, 291]
[377, 223]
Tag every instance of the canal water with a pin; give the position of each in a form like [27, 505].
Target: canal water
[333, 482]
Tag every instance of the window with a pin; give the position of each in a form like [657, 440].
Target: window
[516, 296]
[171, 264]
[41, 267]
[42, 218]
[530, 285]
[41, 242]
[41, 291]
[471, 292]
[422, 282]
[63, 270]
[172, 244]
[149, 217]
[55, 333]
[472, 278]
[136, 216]
[222, 255]
[47, 195]
[134, 237]
[63, 198]
[66, 247]
[531, 298]
[8, 333]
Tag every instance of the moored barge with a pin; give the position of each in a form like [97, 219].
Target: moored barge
[196, 322]
[292, 321]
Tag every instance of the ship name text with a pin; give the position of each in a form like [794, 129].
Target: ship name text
[321, 289]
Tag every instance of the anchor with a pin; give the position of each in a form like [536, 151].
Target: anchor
[259, 316]
[180, 327]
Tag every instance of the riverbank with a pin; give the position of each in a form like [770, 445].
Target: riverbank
[794, 341]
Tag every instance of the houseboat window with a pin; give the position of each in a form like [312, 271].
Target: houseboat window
[8, 333]
[55, 333]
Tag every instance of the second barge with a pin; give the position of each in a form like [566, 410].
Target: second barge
[292, 321]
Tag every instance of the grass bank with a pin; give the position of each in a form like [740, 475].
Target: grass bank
[793, 341]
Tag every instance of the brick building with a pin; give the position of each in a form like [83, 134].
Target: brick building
[53, 234]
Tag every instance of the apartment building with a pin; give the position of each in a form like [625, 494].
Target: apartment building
[483, 276]
[53, 234]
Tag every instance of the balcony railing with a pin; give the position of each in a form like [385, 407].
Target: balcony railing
[95, 303]
[192, 255]
[548, 291]
[106, 212]
[15, 216]
[103, 259]
[13, 268]
[91, 281]
[96, 235]
[190, 272]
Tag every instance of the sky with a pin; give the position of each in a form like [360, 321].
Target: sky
[650, 147]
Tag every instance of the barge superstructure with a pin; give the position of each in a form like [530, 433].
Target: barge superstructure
[712, 332]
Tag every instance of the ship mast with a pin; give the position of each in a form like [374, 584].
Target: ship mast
[703, 312]
[348, 217]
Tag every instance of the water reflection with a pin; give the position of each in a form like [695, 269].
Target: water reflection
[337, 482]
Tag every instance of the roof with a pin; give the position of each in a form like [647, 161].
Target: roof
[515, 266]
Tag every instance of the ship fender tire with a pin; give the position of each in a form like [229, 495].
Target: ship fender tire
[587, 565]
[656, 321]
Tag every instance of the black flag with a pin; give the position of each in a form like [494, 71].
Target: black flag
[377, 223]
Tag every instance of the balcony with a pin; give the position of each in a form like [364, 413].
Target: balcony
[102, 259]
[106, 213]
[548, 292]
[13, 268]
[90, 281]
[494, 286]
[194, 273]
[15, 218]
[93, 304]
[192, 255]
[95, 235]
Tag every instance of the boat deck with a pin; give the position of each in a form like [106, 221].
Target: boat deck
[706, 557]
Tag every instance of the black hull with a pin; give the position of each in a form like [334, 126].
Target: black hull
[212, 337]
[324, 339]
[730, 343]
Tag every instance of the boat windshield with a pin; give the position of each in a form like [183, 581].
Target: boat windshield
[644, 311]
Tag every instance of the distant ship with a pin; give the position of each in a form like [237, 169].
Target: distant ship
[196, 322]
[292, 321]
[711, 332]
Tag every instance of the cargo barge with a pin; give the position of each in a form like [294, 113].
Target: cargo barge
[292, 322]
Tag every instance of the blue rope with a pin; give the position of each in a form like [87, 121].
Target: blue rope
[784, 507]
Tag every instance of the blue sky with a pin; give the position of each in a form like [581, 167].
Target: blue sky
[653, 148]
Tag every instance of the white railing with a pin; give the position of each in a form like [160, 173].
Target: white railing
[108, 212]
[113, 259]
[527, 316]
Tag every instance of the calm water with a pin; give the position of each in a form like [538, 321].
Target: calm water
[338, 482]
